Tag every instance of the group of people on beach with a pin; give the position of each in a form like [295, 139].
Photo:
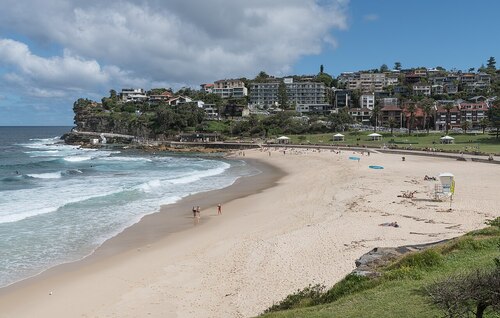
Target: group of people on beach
[196, 211]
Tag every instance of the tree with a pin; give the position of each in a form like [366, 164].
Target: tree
[465, 294]
[325, 78]
[484, 123]
[411, 108]
[282, 96]
[384, 68]
[397, 66]
[375, 115]
[392, 124]
[448, 108]
[261, 77]
[494, 117]
[112, 94]
[321, 69]
[490, 65]
[465, 125]
[338, 121]
[426, 106]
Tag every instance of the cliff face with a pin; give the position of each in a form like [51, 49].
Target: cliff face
[91, 117]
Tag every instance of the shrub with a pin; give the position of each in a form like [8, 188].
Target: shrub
[420, 260]
[464, 243]
[308, 296]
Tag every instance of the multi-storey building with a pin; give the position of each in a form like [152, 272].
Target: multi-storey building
[341, 98]
[443, 116]
[207, 88]
[361, 115]
[307, 93]
[391, 111]
[367, 82]
[367, 101]
[473, 113]
[264, 94]
[421, 89]
[230, 88]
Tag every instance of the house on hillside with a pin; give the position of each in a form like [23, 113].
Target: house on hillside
[174, 101]
[421, 89]
[133, 95]
[163, 97]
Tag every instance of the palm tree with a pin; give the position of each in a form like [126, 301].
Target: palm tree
[448, 108]
[375, 114]
[392, 124]
[426, 105]
[411, 108]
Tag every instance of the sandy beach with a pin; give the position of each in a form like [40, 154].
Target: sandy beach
[304, 221]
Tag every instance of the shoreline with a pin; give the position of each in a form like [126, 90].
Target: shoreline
[318, 218]
[169, 219]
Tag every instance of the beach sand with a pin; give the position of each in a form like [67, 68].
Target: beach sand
[322, 214]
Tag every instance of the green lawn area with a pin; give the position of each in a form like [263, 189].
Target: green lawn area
[399, 291]
[463, 142]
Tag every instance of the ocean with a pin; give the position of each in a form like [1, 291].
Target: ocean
[58, 202]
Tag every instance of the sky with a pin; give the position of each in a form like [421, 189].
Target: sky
[53, 52]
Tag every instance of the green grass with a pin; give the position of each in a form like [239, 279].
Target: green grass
[463, 142]
[398, 292]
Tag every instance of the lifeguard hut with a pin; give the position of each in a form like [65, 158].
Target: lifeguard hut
[446, 186]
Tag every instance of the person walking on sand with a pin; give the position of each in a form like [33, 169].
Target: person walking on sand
[219, 209]
[198, 211]
[194, 211]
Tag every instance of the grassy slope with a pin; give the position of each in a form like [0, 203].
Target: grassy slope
[400, 293]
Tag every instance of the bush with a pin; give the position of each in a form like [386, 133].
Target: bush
[420, 260]
[308, 296]
[464, 243]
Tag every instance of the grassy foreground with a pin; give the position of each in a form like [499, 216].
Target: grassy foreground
[399, 291]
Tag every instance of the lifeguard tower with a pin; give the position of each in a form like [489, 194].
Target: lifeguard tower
[446, 187]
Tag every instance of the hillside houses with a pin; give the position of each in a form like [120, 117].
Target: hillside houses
[361, 94]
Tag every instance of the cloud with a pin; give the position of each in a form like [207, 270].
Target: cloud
[372, 17]
[179, 42]
[58, 49]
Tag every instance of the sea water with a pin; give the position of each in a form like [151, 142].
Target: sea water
[58, 202]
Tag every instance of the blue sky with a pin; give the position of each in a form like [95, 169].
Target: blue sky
[53, 52]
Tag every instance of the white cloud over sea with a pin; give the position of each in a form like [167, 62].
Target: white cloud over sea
[58, 48]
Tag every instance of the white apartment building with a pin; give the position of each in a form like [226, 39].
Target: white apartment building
[367, 101]
[309, 93]
[230, 88]
[368, 82]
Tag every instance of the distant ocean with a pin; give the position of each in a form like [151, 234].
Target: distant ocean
[58, 203]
